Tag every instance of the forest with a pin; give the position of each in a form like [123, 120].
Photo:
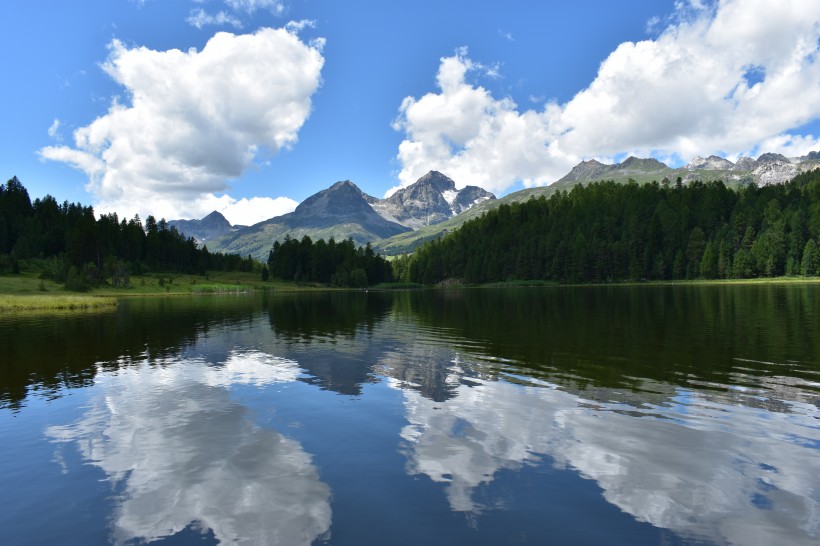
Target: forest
[609, 232]
[71, 246]
[337, 264]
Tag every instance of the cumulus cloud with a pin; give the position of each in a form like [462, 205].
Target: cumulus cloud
[723, 78]
[193, 120]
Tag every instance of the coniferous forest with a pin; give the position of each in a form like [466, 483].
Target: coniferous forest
[338, 264]
[74, 247]
[608, 232]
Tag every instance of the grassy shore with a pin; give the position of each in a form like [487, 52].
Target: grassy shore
[13, 303]
[27, 292]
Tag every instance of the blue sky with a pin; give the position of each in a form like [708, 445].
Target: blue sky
[142, 107]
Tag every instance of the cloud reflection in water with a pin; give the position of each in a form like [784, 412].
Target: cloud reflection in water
[180, 452]
[680, 466]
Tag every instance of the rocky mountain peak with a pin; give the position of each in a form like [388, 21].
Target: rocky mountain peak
[216, 219]
[770, 157]
[436, 181]
[587, 170]
[432, 199]
[633, 163]
[745, 164]
[711, 163]
[342, 198]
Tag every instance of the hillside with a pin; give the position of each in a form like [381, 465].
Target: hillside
[767, 169]
[610, 232]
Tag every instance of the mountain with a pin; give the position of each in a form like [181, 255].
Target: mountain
[432, 199]
[595, 170]
[212, 226]
[342, 211]
[432, 206]
[767, 169]
[711, 163]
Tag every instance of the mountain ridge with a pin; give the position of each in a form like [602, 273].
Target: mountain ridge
[344, 211]
[774, 168]
[432, 206]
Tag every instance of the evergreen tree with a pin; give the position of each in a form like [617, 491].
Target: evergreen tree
[811, 260]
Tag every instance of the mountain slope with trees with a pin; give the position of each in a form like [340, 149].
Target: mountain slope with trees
[768, 168]
[606, 232]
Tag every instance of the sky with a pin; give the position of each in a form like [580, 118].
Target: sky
[177, 108]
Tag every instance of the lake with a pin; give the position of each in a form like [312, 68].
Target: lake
[590, 415]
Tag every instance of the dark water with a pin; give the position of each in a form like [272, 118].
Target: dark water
[651, 415]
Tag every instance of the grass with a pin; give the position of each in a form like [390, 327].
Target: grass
[219, 288]
[26, 291]
[10, 303]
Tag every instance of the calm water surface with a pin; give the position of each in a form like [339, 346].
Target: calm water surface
[648, 415]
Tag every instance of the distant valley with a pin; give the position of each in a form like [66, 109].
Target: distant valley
[432, 206]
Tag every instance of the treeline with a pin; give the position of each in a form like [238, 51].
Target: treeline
[337, 264]
[607, 232]
[74, 247]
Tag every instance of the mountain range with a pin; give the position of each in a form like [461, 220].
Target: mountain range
[344, 211]
[432, 206]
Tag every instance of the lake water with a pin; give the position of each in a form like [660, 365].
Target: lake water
[622, 415]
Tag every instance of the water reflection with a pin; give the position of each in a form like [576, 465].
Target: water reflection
[333, 335]
[181, 453]
[687, 409]
[701, 468]
[47, 355]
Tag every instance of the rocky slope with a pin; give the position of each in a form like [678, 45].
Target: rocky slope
[432, 199]
[769, 168]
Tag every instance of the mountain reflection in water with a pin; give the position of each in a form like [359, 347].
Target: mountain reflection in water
[625, 415]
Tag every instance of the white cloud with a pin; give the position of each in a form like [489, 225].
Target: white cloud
[194, 120]
[200, 18]
[249, 211]
[250, 6]
[54, 130]
[682, 94]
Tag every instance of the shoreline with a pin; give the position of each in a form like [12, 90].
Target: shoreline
[54, 297]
